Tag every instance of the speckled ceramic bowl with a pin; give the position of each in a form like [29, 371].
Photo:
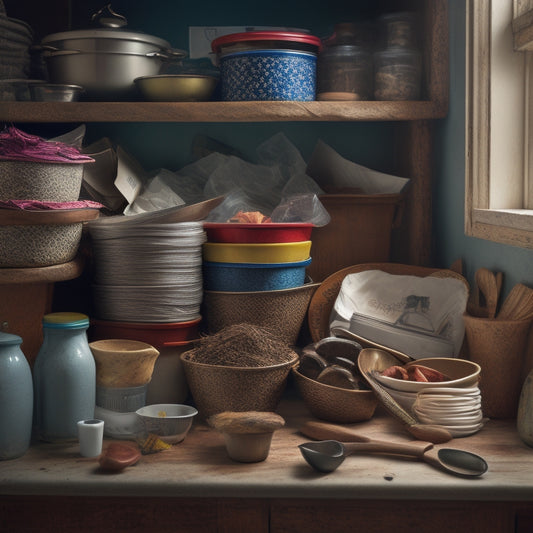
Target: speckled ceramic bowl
[219, 388]
[333, 404]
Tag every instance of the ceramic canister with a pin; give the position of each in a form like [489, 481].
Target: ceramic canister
[64, 377]
[16, 398]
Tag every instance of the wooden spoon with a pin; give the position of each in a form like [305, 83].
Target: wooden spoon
[486, 281]
[518, 305]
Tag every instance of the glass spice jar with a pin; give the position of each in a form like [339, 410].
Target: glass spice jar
[344, 65]
[397, 74]
[399, 29]
[398, 63]
[344, 72]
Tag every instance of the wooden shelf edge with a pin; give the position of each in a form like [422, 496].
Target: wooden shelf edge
[49, 274]
[221, 111]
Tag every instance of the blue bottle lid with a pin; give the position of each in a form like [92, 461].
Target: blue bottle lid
[8, 339]
[65, 320]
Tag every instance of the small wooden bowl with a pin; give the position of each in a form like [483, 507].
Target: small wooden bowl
[334, 404]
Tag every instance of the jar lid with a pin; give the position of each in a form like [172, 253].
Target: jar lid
[287, 36]
[64, 320]
[8, 339]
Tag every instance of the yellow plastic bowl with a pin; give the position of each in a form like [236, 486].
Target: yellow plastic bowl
[280, 252]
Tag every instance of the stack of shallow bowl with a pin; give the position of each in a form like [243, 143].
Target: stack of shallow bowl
[147, 271]
[454, 404]
[256, 273]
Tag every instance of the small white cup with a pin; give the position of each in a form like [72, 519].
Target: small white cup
[91, 435]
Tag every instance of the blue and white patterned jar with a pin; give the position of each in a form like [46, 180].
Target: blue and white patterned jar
[267, 66]
[16, 398]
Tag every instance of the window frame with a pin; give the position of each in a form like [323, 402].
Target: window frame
[498, 190]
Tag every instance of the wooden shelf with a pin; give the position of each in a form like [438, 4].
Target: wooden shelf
[220, 111]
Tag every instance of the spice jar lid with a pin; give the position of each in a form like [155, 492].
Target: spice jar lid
[64, 320]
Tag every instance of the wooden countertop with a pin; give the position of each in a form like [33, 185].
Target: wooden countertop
[200, 467]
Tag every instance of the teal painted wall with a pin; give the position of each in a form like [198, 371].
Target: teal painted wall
[450, 240]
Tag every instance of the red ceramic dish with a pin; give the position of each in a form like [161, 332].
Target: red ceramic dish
[257, 233]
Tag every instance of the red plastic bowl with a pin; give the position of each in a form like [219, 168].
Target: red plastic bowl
[257, 233]
[159, 335]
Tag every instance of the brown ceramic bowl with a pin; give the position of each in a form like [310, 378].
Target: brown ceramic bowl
[219, 388]
[333, 404]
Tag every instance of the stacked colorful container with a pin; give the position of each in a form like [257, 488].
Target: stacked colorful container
[255, 257]
[256, 273]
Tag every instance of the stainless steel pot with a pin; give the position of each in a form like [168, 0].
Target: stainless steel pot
[105, 60]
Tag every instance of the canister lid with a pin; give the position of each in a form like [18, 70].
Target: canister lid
[287, 36]
[65, 320]
[8, 339]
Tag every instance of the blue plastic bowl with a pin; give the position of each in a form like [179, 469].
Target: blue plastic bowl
[244, 277]
[268, 75]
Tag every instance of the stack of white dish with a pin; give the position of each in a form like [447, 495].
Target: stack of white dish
[454, 403]
[457, 409]
[147, 269]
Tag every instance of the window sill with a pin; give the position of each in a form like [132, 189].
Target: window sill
[507, 226]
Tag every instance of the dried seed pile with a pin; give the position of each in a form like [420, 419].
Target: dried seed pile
[242, 345]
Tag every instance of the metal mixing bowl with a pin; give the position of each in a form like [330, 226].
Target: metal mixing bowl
[177, 87]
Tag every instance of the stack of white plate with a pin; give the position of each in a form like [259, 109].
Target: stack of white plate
[147, 269]
[457, 409]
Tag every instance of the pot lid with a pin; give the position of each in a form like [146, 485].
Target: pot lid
[109, 25]
[288, 36]
[106, 33]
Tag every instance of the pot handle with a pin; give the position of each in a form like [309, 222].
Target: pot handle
[43, 48]
[169, 54]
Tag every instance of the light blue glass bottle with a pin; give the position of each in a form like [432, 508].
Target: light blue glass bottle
[64, 377]
[16, 398]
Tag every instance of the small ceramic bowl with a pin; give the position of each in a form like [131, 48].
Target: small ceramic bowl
[462, 373]
[171, 422]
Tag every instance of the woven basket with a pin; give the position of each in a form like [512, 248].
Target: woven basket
[41, 238]
[282, 311]
[46, 182]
